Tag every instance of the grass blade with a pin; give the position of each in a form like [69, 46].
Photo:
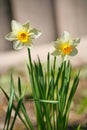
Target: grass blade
[10, 105]
[16, 112]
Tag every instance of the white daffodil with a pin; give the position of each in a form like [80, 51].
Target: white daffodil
[65, 45]
[22, 35]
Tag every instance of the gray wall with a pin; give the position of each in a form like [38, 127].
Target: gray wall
[5, 17]
[71, 15]
[52, 17]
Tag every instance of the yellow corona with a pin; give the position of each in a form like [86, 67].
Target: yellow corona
[23, 36]
[66, 49]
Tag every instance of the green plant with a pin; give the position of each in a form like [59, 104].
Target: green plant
[52, 92]
[13, 99]
[52, 87]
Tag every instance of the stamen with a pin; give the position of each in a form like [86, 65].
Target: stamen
[23, 36]
[66, 49]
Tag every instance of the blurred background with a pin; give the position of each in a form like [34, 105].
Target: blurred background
[52, 17]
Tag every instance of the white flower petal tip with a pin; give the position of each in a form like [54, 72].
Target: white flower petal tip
[65, 36]
[35, 33]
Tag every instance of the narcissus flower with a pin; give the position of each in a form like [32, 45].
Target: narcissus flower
[22, 34]
[65, 45]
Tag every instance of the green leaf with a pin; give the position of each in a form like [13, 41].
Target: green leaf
[16, 112]
[23, 109]
[72, 92]
[79, 127]
[19, 87]
[47, 101]
[10, 105]
[14, 108]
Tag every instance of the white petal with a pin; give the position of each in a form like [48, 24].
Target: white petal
[56, 53]
[26, 25]
[17, 45]
[76, 42]
[16, 25]
[74, 52]
[65, 36]
[57, 44]
[35, 33]
[11, 36]
[28, 44]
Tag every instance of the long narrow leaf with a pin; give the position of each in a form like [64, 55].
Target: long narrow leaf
[22, 108]
[14, 108]
[9, 109]
[19, 86]
[16, 112]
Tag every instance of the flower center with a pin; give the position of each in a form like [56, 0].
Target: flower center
[23, 36]
[66, 49]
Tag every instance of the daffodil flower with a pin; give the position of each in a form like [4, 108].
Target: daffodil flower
[65, 46]
[22, 35]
